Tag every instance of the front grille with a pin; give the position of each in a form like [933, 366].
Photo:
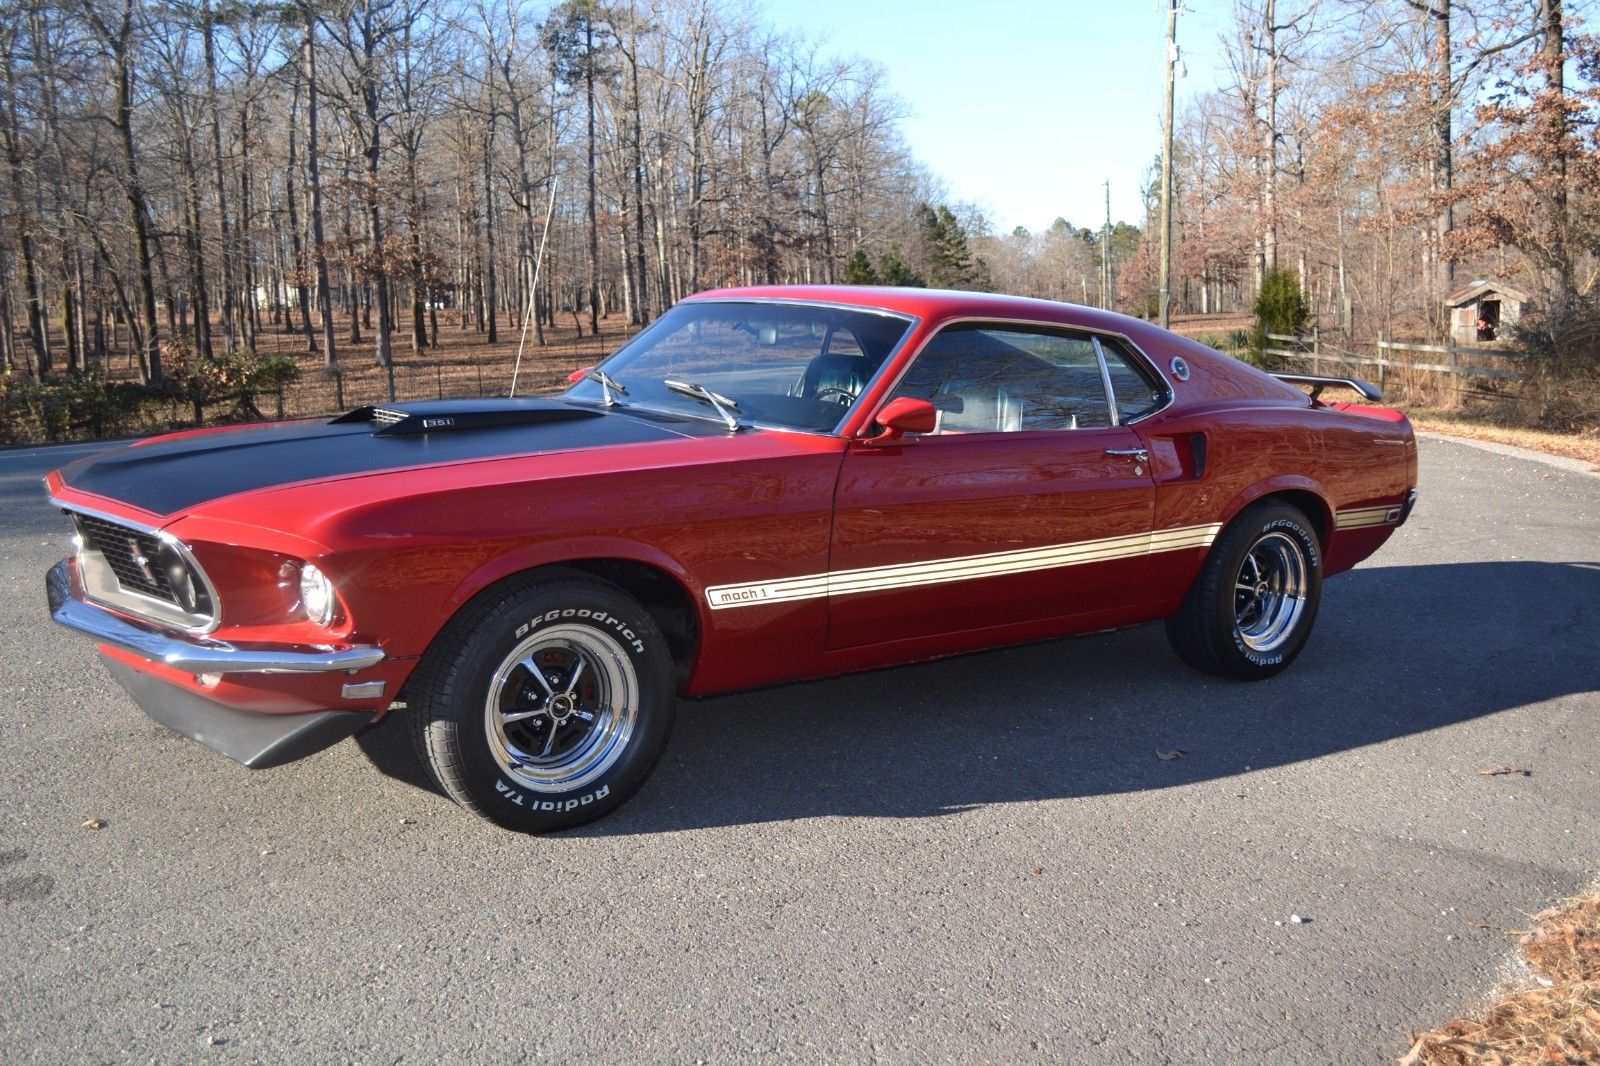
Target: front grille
[123, 547]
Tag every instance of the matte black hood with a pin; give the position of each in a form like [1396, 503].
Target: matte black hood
[167, 476]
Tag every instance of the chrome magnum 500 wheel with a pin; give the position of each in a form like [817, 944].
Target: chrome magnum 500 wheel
[561, 708]
[1252, 606]
[546, 705]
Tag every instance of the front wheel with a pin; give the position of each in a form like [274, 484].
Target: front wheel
[1252, 606]
[546, 705]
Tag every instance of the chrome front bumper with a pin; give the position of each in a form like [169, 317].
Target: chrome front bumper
[197, 655]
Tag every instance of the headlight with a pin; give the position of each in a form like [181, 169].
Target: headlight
[316, 594]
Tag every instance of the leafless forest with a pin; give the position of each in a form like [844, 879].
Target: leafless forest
[214, 198]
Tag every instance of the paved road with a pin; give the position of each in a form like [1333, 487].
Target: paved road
[980, 859]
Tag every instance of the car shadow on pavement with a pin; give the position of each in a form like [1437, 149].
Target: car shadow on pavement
[1396, 651]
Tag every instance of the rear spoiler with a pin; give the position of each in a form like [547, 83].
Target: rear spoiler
[1367, 389]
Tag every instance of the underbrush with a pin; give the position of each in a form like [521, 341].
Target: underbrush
[86, 405]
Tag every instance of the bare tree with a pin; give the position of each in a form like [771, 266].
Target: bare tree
[368, 32]
[21, 209]
[115, 32]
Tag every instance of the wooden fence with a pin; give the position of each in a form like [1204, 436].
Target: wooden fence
[1461, 363]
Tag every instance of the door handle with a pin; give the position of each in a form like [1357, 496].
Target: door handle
[1139, 455]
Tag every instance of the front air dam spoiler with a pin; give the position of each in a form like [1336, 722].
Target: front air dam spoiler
[255, 740]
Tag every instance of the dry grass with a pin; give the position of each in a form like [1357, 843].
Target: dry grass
[1556, 1021]
[1585, 446]
[1195, 326]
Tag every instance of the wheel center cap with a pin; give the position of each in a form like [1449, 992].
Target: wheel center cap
[560, 706]
[1261, 589]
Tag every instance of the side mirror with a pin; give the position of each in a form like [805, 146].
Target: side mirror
[904, 415]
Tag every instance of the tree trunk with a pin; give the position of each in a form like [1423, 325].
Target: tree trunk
[642, 303]
[72, 286]
[22, 219]
[594, 228]
[220, 186]
[1269, 142]
[120, 43]
[7, 356]
[319, 250]
[170, 297]
[193, 246]
[419, 326]
[489, 230]
[1552, 57]
[291, 194]
[249, 303]
[1443, 135]
[385, 353]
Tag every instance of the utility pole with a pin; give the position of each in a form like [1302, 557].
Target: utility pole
[1105, 255]
[1166, 171]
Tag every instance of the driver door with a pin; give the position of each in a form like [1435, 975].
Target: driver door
[1027, 503]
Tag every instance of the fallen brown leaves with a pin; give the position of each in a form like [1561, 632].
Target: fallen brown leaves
[1565, 942]
[1557, 1022]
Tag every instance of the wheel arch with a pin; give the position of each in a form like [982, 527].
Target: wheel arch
[1303, 493]
[662, 588]
[664, 597]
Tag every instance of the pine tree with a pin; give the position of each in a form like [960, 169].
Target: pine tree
[950, 262]
[860, 271]
[894, 270]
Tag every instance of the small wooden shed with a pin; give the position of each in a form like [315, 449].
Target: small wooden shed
[1482, 311]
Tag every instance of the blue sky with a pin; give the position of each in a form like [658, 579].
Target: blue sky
[1025, 108]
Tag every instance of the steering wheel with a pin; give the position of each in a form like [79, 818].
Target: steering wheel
[837, 394]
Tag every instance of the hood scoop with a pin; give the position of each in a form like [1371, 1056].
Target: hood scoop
[451, 416]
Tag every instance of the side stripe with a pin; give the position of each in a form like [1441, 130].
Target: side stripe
[1363, 517]
[961, 568]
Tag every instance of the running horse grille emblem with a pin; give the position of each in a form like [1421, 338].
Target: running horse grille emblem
[140, 560]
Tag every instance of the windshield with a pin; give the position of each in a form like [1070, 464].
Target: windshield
[796, 366]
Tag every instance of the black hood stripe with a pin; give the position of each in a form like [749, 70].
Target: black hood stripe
[164, 477]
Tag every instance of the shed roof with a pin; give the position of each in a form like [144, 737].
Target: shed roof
[1467, 293]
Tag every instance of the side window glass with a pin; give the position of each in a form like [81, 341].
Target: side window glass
[999, 379]
[1137, 394]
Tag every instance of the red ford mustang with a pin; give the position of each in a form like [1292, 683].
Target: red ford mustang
[765, 485]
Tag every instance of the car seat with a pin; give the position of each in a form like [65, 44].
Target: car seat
[834, 371]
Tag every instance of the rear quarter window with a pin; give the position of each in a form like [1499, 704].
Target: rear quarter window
[1139, 392]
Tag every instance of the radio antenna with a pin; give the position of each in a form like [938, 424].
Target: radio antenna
[533, 290]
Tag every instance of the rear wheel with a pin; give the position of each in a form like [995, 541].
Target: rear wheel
[546, 705]
[1253, 604]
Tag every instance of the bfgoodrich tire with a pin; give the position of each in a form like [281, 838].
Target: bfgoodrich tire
[1255, 600]
[546, 704]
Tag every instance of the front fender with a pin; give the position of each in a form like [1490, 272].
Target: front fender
[567, 551]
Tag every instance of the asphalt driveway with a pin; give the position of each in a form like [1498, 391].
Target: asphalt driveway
[980, 859]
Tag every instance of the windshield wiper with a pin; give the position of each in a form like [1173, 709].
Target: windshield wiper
[608, 385]
[724, 406]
